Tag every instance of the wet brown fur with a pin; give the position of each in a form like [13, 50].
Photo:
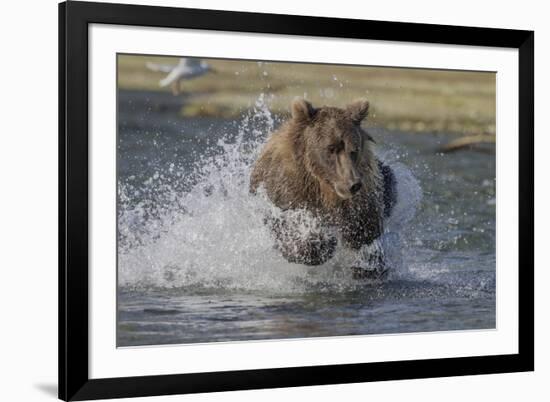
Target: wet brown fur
[299, 171]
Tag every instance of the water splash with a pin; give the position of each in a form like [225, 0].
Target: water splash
[200, 228]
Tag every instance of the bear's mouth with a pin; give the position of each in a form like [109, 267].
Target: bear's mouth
[345, 195]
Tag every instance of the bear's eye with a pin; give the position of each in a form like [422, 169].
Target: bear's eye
[353, 155]
[334, 148]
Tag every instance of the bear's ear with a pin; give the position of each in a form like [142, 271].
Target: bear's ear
[358, 110]
[369, 138]
[302, 110]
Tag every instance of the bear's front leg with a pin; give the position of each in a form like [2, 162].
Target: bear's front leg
[313, 246]
[315, 249]
[370, 262]
[359, 231]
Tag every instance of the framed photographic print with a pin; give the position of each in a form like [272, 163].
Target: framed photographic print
[258, 201]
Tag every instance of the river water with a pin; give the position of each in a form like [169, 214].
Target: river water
[196, 263]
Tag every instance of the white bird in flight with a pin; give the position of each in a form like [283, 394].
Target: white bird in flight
[186, 69]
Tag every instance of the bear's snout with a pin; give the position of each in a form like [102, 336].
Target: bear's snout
[346, 189]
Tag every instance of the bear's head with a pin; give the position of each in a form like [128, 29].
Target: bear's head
[336, 150]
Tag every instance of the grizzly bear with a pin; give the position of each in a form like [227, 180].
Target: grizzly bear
[323, 162]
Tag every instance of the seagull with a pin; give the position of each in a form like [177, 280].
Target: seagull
[186, 69]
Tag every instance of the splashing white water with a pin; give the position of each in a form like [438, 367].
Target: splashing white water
[214, 235]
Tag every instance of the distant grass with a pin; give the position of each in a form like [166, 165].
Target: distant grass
[405, 99]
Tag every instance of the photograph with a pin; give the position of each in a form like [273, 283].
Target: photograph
[268, 200]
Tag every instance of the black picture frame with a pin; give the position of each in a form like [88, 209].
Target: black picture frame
[74, 19]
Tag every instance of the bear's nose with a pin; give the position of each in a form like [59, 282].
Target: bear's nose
[355, 188]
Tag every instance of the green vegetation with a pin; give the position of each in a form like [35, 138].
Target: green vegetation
[401, 98]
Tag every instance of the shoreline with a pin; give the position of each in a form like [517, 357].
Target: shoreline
[196, 106]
